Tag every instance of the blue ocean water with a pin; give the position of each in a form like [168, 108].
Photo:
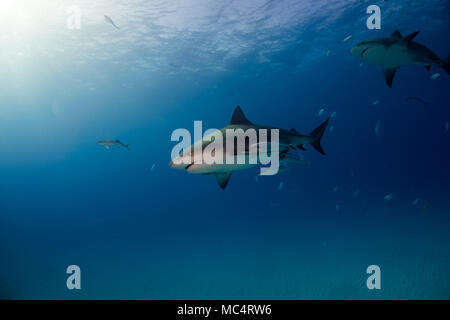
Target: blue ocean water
[139, 229]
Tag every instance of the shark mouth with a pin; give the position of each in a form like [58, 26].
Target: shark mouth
[364, 51]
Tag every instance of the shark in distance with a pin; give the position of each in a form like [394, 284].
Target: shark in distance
[111, 22]
[397, 51]
[109, 143]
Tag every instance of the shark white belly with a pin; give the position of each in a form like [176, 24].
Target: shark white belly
[215, 168]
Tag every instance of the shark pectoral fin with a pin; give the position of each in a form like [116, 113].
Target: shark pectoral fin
[411, 36]
[389, 74]
[223, 178]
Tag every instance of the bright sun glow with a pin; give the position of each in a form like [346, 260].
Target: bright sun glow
[27, 27]
[12, 13]
[26, 17]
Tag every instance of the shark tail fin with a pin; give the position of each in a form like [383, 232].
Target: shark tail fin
[127, 146]
[316, 136]
[446, 64]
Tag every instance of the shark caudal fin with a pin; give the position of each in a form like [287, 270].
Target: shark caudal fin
[316, 136]
[127, 146]
[446, 64]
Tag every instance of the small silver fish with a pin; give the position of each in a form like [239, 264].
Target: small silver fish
[331, 129]
[416, 99]
[153, 167]
[376, 102]
[347, 38]
[447, 126]
[111, 21]
[335, 189]
[333, 114]
[377, 128]
[416, 201]
[356, 193]
[388, 197]
[435, 76]
[320, 113]
[338, 208]
[280, 187]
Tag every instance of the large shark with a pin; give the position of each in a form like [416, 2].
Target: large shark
[396, 51]
[288, 140]
[109, 143]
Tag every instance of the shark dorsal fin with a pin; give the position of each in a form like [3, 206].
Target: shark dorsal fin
[411, 36]
[396, 34]
[239, 117]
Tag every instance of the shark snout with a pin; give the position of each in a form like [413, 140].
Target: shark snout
[178, 165]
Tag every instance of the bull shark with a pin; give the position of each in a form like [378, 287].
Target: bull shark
[109, 143]
[397, 51]
[288, 140]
